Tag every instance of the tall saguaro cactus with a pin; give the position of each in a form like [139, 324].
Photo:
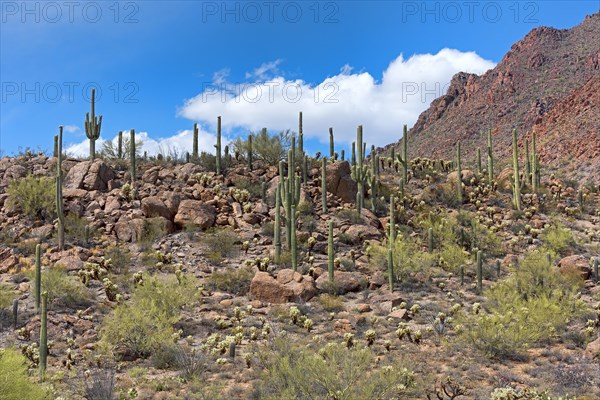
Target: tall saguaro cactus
[93, 126]
[195, 143]
[38, 276]
[55, 146]
[132, 154]
[390, 261]
[404, 160]
[120, 145]
[294, 246]
[43, 336]
[516, 181]
[59, 194]
[218, 146]
[331, 144]
[459, 190]
[277, 228]
[490, 158]
[359, 171]
[300, 136]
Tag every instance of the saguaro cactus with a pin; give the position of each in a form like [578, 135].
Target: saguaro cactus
[459, 190]
[294, 247]
[38, 276]
[93, 126]
[516, 181]
[120, 145]
[331, 144]
[392, 222]
[195, 143]
[43, 336]
[390, 262]
[132, 152]
[359, 171]
[300, 135]
[218, 146]
[277, 228]
[59, 196]
[404, 159]
[15, 312]
[55, 154]
[324, 184]
[479, 270]
[330, 255]
[490, 158]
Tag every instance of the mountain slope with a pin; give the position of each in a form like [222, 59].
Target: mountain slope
[548, 82]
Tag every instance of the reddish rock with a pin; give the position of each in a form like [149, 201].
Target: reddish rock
[399, 314]
[153, 206]
[196, 213]
[339, 181]
[343, 281]
[266, 288]
[575, 265]
[89, 175]
[593, 349]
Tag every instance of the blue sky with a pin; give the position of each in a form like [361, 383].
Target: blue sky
[162, 65]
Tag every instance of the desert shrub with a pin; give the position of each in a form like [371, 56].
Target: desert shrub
[191, 362]
[110, 148]
[268, 229]
[7, 295]
[34, 195]
[452, 256]
[331, 303]
[409, 258]
[295, 372]
[120, 258]
[231, 280]
[63, 289]
[153, 229]
[305, 208]
[444, 193]
[509, 393]
[344, 238]
[145, 323]
[75, 228]
[220, 244]
[557, 239]
[350, 215]
[100, 385]
[471, 234]
[532, 305]
[16, 384]
[265, 146]
[252, 187]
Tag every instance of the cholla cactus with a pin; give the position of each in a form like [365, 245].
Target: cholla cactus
[294, 314]
[349, 339]
[308, 324]
[370, 337]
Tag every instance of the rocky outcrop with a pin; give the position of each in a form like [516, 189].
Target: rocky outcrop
[89, 175]
[196, 213]
[339, 181]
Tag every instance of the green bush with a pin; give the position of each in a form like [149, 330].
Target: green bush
[15, 383]
[333, 372]
[145, 323]
[532, 305]
[7, 295]
[557, 239]
[64, 289]
[34, 195]
[220, 244]
[269, 148]
[231, 280]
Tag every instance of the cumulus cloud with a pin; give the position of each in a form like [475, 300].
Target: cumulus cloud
[71, 128]
[176, 145]
[341, 101]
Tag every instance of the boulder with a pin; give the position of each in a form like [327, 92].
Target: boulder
[339, 181]
[343, 281]
[466, 176]
[129, 230]
[197, 213]
[153, 206]
[360, 233]
[593, 349]
[89, 175]
[302, 286]
[266, 288]
[575, 265]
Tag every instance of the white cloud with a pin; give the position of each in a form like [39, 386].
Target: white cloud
[71, 128]
[265, 71]
[342, 101]
[179, 144]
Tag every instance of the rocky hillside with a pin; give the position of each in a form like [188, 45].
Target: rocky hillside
[548, 83]
[170, 289]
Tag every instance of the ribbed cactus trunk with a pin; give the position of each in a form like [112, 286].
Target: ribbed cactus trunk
[15, 312]
[277, 228]
[459, 190]
[120, 145]
[479, 271]
[331, 144]
[38, 276]
[353, 159]
[430, 240]
[330, 256]
[359, 171]
[55, 154]
[300, 135]
[195, 143]
[218, 147]
[132, 160]
[43, 350]
[294, 247]
[392, 221]
[324, 184]
[405, 154]
[93, 126]
[516, 181]
[250, 160]
[535, 178]
[59, 194]
[490, 158]
[390, 262]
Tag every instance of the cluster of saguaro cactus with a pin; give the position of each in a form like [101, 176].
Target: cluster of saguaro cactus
[359, 172]
[59, 193]
[93, 126]
[373, 177]
[132, 155]
[218, 147]
[277, 227]
[289, 193]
